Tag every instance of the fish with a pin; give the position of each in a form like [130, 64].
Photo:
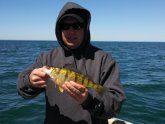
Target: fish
[60, 75]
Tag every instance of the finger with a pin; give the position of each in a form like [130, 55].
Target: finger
[36, 78]
[77, 95]
[67, 89]
[39, 84]
[73, 88]
[78, 87]
[39, 72]
[44, 86]
[42, 74]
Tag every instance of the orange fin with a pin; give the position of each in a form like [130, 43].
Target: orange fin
[61, 89]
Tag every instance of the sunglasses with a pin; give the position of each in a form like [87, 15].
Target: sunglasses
[75, 26]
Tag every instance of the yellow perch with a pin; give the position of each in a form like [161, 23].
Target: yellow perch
[60, 75]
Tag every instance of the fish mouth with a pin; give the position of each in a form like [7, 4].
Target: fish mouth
[47, 71]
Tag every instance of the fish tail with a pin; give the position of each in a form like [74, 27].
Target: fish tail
[99, 88]
[96, 87]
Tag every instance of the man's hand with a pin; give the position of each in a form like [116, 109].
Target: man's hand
[38, 78]
[77, 91]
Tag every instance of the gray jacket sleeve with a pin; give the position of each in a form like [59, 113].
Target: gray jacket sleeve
[107, 104]
[24, 87]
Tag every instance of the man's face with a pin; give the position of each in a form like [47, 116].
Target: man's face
[72, 32]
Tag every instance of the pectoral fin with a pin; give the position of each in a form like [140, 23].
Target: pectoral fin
[60, 89]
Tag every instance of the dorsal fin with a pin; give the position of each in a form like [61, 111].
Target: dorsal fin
[71, 67]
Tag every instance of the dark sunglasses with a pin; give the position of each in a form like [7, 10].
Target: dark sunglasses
[75, 26]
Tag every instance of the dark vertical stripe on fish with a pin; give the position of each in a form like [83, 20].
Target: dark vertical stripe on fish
[85, 82]
[90, 84]
[76, 79]
[62, 75]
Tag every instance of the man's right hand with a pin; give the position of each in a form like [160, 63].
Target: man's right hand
[38, 77]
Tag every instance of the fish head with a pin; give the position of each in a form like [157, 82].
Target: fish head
[52, 72]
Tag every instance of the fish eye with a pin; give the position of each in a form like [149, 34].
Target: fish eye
[57, 69]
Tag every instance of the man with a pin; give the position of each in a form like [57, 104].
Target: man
[77, 104]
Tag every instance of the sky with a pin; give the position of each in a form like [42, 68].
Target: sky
[112, 20]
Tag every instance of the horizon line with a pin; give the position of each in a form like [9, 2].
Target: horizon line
[91, 40]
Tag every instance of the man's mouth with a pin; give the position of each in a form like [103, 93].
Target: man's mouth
[72, 39]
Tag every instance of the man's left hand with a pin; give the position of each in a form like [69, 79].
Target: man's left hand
[76, 90]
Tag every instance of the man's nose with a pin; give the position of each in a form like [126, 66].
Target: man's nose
[71, 29]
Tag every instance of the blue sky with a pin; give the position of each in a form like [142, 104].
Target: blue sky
[112, 20]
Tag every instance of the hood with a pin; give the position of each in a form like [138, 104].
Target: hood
[73, 8]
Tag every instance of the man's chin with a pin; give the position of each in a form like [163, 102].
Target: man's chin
[72, 46]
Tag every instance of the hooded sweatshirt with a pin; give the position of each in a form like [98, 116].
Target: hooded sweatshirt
[89, 60]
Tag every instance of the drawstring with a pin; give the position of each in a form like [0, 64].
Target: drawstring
[73, 62]
[84, 62]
